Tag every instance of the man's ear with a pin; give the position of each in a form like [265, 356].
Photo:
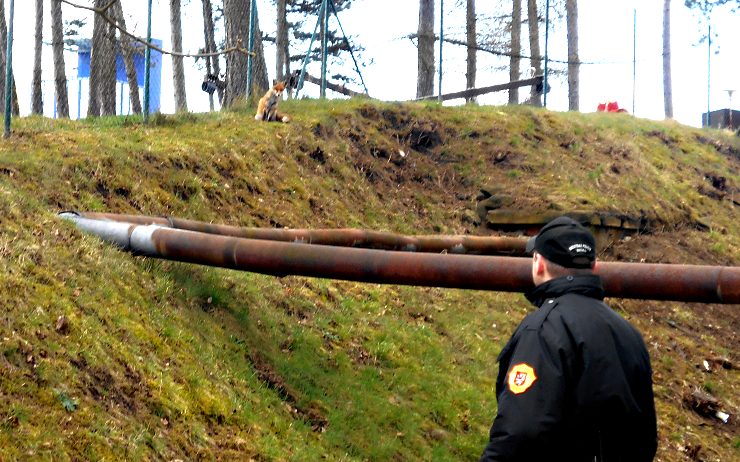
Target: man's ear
[539, 265]
[595, 267]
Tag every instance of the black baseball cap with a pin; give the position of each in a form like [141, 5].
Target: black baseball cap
[566, 242]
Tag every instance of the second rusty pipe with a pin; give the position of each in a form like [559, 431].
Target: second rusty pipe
[347, 237]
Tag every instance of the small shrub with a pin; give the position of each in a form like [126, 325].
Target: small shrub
[68, 403]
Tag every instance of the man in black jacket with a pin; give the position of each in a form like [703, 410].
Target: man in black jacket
[574, 380]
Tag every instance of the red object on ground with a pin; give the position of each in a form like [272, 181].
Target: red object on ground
[610, 106]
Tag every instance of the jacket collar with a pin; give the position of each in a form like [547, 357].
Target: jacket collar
[588, 285]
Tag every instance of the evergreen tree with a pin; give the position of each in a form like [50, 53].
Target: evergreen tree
[60, 75]
[571, 7]
[178, 72]
[426, 39]
[534, 49]
[515, 49]
[236, 17]
[37, 103]
[470, 21]
[305, 15]
[213, 65]
[667, 86]
[14, 109]
[129, 50]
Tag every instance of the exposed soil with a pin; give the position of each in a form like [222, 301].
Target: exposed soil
[265, 372]
[110, 391]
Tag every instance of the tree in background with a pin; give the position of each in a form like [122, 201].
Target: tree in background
[57, 44]
[515, 49]
[14, 109]
[37, 103]
[472, 40]
[213, 66]
[534, 49]
[707, 6]
[322, 34]
[667, 88]
[260, 81]
[426, 39]
[236, 17]
[129, 51]
[93, 104]
[705, 9]
[571, 11]
[282, 58]
[305, 14]
[178, 72]
[107, 87]
[502, 36]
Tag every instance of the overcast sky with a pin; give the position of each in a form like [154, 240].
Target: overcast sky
[382, 27]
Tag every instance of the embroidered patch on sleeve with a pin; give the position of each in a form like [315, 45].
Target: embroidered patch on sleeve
[521, 377]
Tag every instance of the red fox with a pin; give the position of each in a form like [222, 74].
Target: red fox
[267, 108]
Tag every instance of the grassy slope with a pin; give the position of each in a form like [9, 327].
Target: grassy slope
[165, 360]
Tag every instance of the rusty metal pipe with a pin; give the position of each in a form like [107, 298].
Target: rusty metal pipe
[347, 237]
[689, 283]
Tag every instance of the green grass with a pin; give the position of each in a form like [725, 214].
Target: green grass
[165, 360]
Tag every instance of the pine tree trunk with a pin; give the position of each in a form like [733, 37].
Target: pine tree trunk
[260, 81]
[236, 15]
[667, 87]
[322, 31]
[236, 18]
[282, 40]
[129, 51]
[426, 39]
[516, 49]
[534, 49]
[60, 74]
[213, 64]
[37, 103]
[178, 71]
[472, 47]
[3, 48]
[14, 109]
[571, 11]
[96, 60]
[108, 71]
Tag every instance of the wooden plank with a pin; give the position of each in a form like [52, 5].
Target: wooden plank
[611, 221]
[472, 92]
[333, 86]
[605, 226]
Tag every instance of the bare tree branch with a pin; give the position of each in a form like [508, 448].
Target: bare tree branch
[102, 12]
